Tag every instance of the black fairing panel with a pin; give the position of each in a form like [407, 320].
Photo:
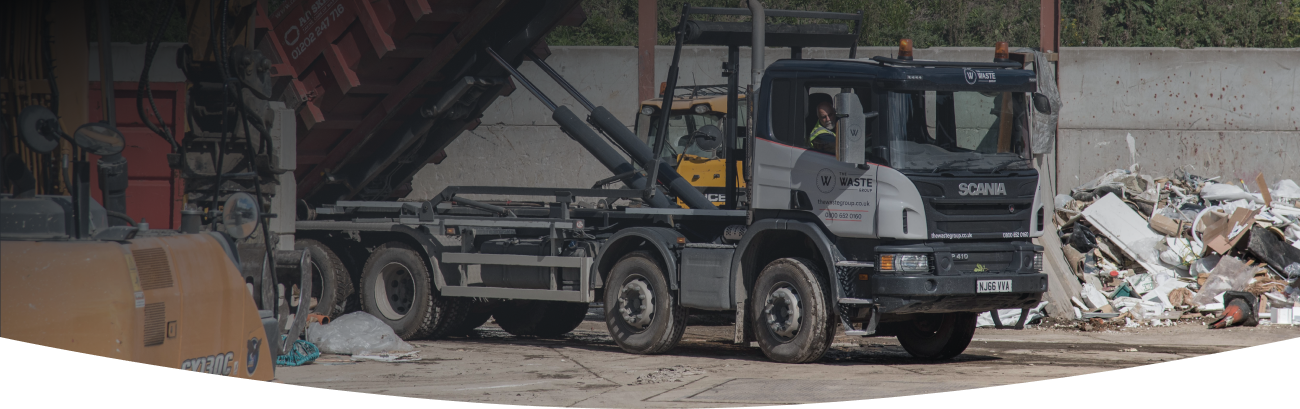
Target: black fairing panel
[978, 206]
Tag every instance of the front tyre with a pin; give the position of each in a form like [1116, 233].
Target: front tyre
[641, 313]
[937, 336]
[789, 314]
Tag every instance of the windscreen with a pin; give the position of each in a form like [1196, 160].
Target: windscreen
[681, 124]
[937, 131]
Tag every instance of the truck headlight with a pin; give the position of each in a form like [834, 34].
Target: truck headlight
[904, 262]
[1038, 262]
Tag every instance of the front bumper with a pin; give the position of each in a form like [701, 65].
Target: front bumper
[926, 293]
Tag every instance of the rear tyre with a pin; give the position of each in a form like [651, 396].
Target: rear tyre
[396, 288]
[561, 318]
[473, 319]
[545, 319]
[641, 313]
[789, 314]
[937, 336]
[331, 284]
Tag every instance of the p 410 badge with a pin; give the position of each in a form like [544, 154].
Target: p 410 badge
[219, 364]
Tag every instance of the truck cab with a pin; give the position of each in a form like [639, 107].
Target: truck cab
[929, 196]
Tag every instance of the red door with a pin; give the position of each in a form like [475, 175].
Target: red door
[154, 192]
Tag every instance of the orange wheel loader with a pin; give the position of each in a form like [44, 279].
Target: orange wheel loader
[68, 280]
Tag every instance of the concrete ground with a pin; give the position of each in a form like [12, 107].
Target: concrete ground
[586, 368]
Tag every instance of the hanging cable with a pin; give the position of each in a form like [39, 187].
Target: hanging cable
[219, 55]
[144, 89]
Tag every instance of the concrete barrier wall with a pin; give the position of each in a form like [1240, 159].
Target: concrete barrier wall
[1227, 112]
[1222, 112]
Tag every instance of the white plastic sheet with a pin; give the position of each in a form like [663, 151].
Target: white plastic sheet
[1225, 192]
[358, 333]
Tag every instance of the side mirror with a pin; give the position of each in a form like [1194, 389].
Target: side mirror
[707, 138]
[1042, 104]
[99, 138]
[241, 215]
[850, 129]
[38, 128]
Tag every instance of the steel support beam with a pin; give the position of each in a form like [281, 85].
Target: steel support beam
[647, 34]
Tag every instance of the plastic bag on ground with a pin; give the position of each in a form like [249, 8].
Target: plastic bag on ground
[356, 333]
[1286, 189]
[1062, 201]
[1106, 183]
[1229, 275]
[1205, 264]
[1181, 253]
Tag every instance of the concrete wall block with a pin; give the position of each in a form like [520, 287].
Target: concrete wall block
[1170, 88]
[1230, 154]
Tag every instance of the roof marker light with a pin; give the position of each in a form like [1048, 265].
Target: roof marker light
[905, 49]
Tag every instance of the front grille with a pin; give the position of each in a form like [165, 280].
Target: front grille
[994, 226]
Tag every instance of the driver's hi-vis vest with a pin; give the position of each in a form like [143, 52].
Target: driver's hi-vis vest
[819, 131]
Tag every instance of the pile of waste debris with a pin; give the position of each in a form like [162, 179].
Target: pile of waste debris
[1149, 251]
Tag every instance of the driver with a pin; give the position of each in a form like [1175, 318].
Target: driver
[822, 137]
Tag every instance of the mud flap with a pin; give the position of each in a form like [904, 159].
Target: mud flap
[997, 321]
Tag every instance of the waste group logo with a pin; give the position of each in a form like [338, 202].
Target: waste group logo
[970, 75]
[825, 180]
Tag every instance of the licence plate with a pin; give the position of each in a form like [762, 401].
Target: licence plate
[993, 286]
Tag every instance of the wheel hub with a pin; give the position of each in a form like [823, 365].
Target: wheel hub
[636, 303]
[394, 291]
[782, 312]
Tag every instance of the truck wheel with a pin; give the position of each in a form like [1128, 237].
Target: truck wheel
[641, 313]
[331, 285]
[789, 313]
[545, 319]
[937, 336]
[395, 287]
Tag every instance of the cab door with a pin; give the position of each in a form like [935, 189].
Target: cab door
[790, 175]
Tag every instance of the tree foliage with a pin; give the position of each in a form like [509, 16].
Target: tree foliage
[1179, 23]
[931, 23]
